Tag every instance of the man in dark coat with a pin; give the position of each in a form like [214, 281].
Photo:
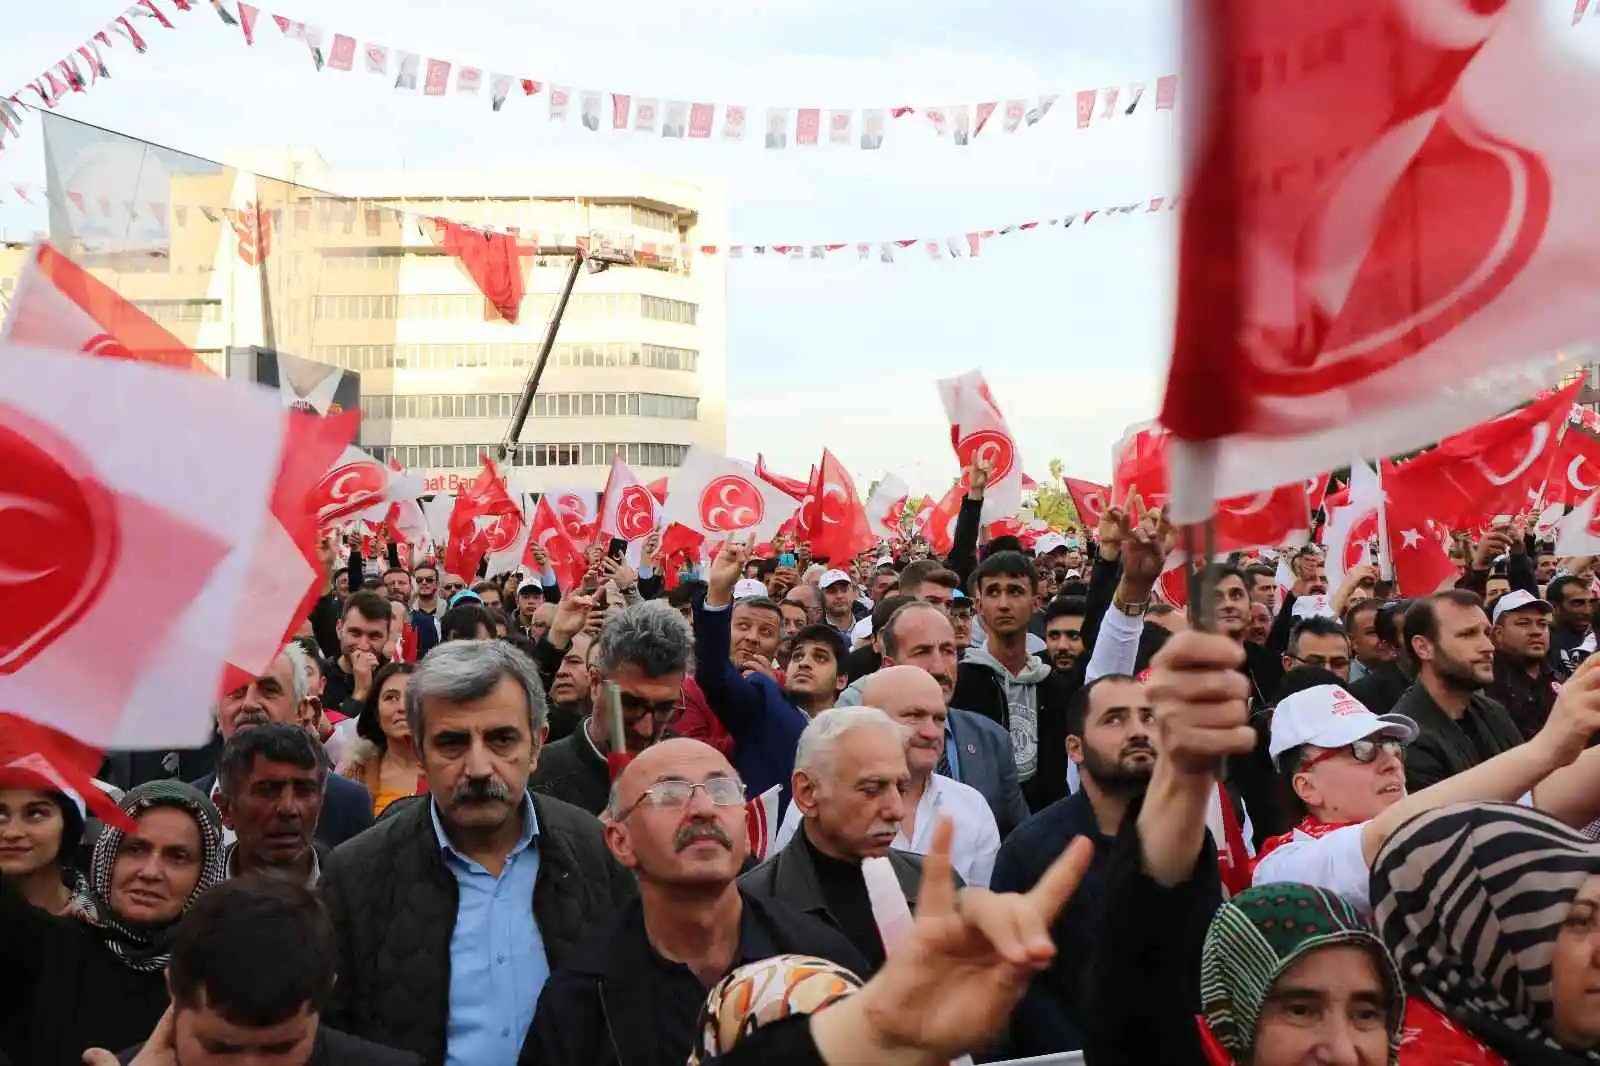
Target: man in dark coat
[453, 911]
[676, 818]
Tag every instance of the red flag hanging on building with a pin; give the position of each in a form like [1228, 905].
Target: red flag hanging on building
[1389, 232]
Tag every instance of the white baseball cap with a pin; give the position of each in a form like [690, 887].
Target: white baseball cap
[1329, 717]
[833, 577]
[1312, 607]
[1049, 543]
[1516, 600]
[747, 588]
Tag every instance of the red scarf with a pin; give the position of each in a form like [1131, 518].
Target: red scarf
[1311, 826]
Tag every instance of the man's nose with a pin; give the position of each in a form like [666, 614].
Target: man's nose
[479, 764]
[893, 807]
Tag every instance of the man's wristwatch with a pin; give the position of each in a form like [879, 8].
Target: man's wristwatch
[1132, 610]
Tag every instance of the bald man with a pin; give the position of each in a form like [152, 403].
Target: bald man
[676, 818]
[913, 697]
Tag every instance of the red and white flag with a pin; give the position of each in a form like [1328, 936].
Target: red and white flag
[978, 430]
[358, 486]
[717, 497]
[1351, 536]
[793, 486]
[761, 823]
[578, 510]
[549, 532]
[483, 519]
[1421, 563]
[132, 501]
[1088, 499]
[887, 507]
[507, 537]
[1575, 474]
[840, 528]
[1371, 260]
[627, 509]
[937, 525]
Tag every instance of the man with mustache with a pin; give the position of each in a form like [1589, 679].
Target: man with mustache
[850, 774]
[455, 908]
[911, 696]
[271, 779]
[676, 818]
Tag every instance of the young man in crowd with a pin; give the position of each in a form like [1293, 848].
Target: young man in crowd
[364, 628]
[1524, 682]
[1064, 619]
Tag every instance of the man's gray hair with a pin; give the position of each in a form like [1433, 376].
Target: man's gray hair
[651, 636]
[460, 671]
[819, 743]
[301, 662]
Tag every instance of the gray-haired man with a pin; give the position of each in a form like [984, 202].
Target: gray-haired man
[453, 909]
[646, 650]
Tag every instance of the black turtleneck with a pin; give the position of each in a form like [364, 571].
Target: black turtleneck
[845, 891]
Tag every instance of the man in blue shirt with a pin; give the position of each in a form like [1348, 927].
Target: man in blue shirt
[455, 907]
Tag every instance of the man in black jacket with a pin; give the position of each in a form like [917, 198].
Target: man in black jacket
[455, 908]
[252, 968]
[676, 818]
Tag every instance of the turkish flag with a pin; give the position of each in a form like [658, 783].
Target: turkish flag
[680, 547]
[716, 497]
[1490, 469]
[38, 758]
[481, 517]
[1353, 525]
[578, 510]
[1139, 465]
[133, 502]
[938, 524]
[1421, 564]
[507, 538]
[548, 531]
[887, 507]
[1389, 229]
[978, 430]
[1089, 500]
[58, 304]
[841, 529]
[1575, 474]
[627, 509]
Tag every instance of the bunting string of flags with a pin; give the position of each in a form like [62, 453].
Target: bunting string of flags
[857, 127]
[319, 213]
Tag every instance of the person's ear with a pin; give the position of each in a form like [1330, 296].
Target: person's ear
[225, 809]
[1075, 749]
[804, 792]
[621, 845]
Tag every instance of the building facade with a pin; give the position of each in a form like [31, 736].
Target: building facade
[357, 280]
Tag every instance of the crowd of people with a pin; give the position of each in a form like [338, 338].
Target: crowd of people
[1023, 807]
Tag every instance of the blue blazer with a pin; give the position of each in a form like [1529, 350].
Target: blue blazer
[985, 761]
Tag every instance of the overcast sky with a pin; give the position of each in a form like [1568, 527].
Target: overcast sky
[1072, 328]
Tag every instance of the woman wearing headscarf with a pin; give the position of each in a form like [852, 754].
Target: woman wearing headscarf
[40, 830]
[1287, 973]
[96, 980]
[1493, 913]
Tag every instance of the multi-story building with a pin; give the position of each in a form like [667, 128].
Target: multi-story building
[357, 280]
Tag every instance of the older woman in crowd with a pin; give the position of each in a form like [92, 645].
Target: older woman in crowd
[96, 980]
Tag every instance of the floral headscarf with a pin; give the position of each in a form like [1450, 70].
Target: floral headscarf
[139, 946]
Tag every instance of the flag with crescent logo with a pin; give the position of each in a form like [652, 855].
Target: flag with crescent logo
[886, 508]
[978, 430]
[133, 503]
[550, 533]
[1489, 469]
[1388, 237]
[1351, 535]
[1088, 499]
[1575, 473]
[627, 509]
[839, 526]
[484, 516]
[718, 497]
[937, 524]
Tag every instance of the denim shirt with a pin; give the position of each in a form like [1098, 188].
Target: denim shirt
[498, 964]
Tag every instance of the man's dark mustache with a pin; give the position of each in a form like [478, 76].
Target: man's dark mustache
[480, 790]
[1134, 749]
[693, 834]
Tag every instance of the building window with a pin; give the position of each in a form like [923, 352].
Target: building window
[499, 405]
[661, 309]
[181, 311]
[586, 453]
[650, 218]
[355, 308]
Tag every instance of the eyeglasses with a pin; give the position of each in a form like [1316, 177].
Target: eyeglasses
[675, 795]
[661, 710]
[1324, 662]
[1365, 750]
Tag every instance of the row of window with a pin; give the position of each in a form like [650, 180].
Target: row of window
[172, 312]
[543, 216]
[505, 356]
[545, 405]
[461, 456]
[607, 306]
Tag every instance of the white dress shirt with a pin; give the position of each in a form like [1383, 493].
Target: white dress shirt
[977, 836]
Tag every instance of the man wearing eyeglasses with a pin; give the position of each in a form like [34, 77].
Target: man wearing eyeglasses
[1319, 641]
[646, 650]
[1346, 768]
[676, 818]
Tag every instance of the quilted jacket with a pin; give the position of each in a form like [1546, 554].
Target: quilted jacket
[393, 903]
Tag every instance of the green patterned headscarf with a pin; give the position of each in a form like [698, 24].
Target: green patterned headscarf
[1259, 934]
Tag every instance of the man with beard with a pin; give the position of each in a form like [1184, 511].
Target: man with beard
[1110, 737]
[646, 651]
[814, 674]
[454, 909]
[1524, 682]
[364, 628]
[1571, 622]
[271, 780]
[1064, 617]
[1449, 636]
[676, 818]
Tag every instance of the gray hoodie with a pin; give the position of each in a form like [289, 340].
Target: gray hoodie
[1022, 697]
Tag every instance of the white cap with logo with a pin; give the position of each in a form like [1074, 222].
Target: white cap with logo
[1329, 717]
[833, 577]
[748, 588]
[1516, 600]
